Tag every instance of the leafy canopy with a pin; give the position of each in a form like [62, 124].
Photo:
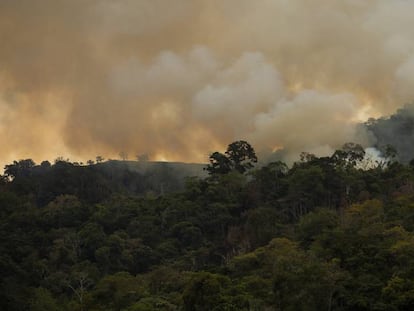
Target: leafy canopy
[239, 157]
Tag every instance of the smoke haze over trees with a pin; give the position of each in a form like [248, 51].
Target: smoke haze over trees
[177, 79]
[397, 131]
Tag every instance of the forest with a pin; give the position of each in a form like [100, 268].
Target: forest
[326, 233]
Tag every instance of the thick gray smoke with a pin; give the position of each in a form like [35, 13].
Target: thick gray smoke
[396, 130]
[178, 79]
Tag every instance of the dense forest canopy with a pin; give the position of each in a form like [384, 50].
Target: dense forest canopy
[264, 228]
[327, 233]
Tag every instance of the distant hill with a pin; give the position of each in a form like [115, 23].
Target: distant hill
[158, 177]
[145, 167]
[96, 182]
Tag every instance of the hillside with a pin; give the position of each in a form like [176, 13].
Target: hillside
[321, 235]
[96, 182]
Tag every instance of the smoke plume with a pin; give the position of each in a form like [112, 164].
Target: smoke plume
[178, 79]
[396, 130]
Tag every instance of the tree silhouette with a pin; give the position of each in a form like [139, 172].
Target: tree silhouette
[239, 157]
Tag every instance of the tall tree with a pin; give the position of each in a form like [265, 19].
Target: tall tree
[239, 157]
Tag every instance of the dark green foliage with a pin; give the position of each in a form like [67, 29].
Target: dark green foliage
[95, 183]
[322, 235]
[239, 157]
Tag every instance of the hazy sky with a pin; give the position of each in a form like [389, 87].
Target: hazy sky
[180, 78]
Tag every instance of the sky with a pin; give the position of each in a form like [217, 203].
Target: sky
[179, 79]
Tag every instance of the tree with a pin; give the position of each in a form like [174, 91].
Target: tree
[239, 157]
[80, 286]
[390, 155]
[242, 155]
[349, 155]
[270, 181]
[123, 155]
[42, 300]
[219, 164]
[118, 291]
[206, 292]
[19, 168]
